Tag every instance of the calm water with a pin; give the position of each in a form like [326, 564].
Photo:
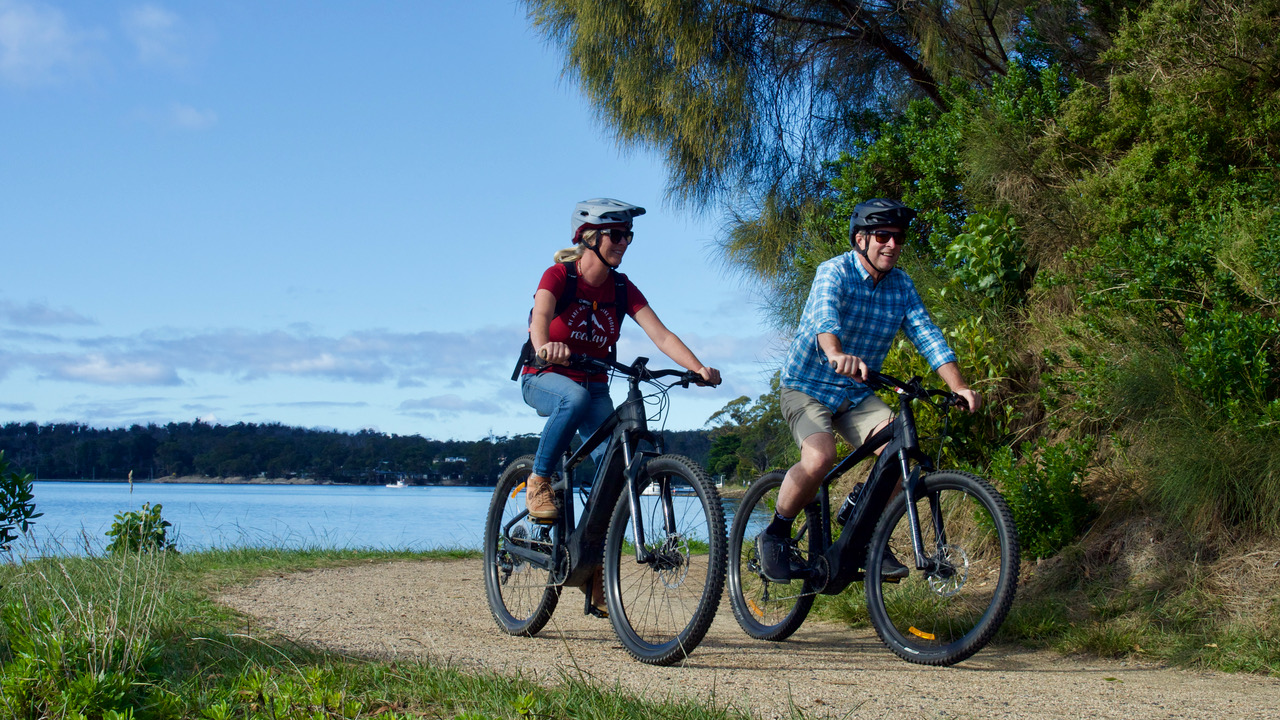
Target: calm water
[77, 516]
[293, 516]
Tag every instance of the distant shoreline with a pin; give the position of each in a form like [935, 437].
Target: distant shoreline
[201, 480]
[235, 480]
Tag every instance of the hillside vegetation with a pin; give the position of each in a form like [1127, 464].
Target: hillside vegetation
[1099, 236]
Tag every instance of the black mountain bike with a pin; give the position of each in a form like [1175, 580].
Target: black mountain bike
[952, 529]
[655, 518]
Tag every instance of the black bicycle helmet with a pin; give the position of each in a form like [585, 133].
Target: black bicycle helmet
[878, 212]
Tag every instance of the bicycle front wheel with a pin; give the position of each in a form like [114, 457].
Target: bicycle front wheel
[661, 610]
[521, 595]
[950, 610]
[765, 610]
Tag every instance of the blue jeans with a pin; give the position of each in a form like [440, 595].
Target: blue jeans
[568, 406]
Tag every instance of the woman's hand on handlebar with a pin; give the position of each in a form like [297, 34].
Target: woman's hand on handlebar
[850, 366]
[709, 375]
[556, 353]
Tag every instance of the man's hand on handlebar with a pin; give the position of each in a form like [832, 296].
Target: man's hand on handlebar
[556, 353]
[850, 366]
[972, 400]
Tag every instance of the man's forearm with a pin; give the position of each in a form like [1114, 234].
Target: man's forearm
[950, 374]
[829, 344]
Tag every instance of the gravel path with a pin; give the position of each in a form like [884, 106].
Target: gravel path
[436, 610]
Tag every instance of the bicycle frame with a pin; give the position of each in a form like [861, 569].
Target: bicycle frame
[845, 556]
[575, 549]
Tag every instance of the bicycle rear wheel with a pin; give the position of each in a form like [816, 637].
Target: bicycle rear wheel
[765, 610]
[521, 595]
[661, 610]
[944, 614]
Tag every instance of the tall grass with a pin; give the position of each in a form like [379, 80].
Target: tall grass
[1200, 465]
[138, 636]
[82, 634]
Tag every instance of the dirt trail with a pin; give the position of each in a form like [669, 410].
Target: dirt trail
[436, 610]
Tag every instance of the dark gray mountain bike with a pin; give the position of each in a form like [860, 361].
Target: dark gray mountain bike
[952, 529]
[656, 519]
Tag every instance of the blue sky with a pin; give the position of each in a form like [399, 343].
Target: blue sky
[320, 214]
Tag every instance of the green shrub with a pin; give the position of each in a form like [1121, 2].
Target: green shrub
[987, 259]
[1044, 493]
[140, 531]
[17, 508]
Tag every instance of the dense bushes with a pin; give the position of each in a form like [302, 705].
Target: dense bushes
[1103, 251]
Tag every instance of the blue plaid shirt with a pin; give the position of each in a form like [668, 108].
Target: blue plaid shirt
[848, 303]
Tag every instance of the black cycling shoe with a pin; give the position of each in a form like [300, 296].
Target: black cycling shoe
[777, 558]
[891, 569]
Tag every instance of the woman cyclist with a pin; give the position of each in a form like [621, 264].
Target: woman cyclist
[578, 309]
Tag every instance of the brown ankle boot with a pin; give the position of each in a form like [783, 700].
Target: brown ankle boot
[539, 498]
[599, 606]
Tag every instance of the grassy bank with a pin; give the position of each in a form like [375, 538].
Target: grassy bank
[137, 636]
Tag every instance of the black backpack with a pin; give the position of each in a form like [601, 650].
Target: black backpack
[565, 301]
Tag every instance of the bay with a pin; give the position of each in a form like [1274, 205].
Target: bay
[77, 516]
[205, 516]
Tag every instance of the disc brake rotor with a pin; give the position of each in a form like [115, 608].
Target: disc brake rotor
[672, 561]
[952, 571]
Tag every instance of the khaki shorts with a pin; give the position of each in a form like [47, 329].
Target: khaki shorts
[806, 416]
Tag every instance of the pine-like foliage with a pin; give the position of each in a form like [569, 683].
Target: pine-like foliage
[747, 99]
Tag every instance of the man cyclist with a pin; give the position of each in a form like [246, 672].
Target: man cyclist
[857, 304]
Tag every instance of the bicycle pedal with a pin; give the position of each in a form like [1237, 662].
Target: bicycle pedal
[542, 521]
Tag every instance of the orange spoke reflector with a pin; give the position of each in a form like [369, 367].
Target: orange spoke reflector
[921, 634]
[516, 490]
[755, 609]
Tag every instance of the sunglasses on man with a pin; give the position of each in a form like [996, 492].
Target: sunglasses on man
[884, 236]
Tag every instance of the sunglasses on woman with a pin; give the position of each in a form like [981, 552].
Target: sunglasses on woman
[619, 236]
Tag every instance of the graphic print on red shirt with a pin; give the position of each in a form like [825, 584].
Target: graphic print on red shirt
[590, 325]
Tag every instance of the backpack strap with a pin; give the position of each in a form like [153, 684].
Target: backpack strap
[570, 293]
[567, 298]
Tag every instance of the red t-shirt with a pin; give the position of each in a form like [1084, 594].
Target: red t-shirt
[588, 329]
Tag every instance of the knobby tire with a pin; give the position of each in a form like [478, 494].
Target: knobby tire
[765, 610]
[521, 596]
[662, 610]
[945, 616]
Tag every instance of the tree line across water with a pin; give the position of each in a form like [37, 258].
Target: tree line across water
[81, 452]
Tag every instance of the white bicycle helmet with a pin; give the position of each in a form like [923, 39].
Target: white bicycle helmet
[600, 213]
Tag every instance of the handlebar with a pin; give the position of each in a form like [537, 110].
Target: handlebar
[914, 389]
[638, 370]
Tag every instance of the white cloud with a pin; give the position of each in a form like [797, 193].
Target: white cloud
[448, 405]
[101, 370]
[113, 412]
[158, 35]
[39, 314]
[37, 46]
[185, 117]
[17, 407]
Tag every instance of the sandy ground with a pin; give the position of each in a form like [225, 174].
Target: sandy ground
[437, 611]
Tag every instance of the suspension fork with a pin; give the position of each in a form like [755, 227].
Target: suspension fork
[909, 479]
[634, 462]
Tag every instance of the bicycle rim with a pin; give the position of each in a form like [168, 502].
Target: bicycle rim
[661, 610]
[765, 610]
[944, 615]
[521, 596]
